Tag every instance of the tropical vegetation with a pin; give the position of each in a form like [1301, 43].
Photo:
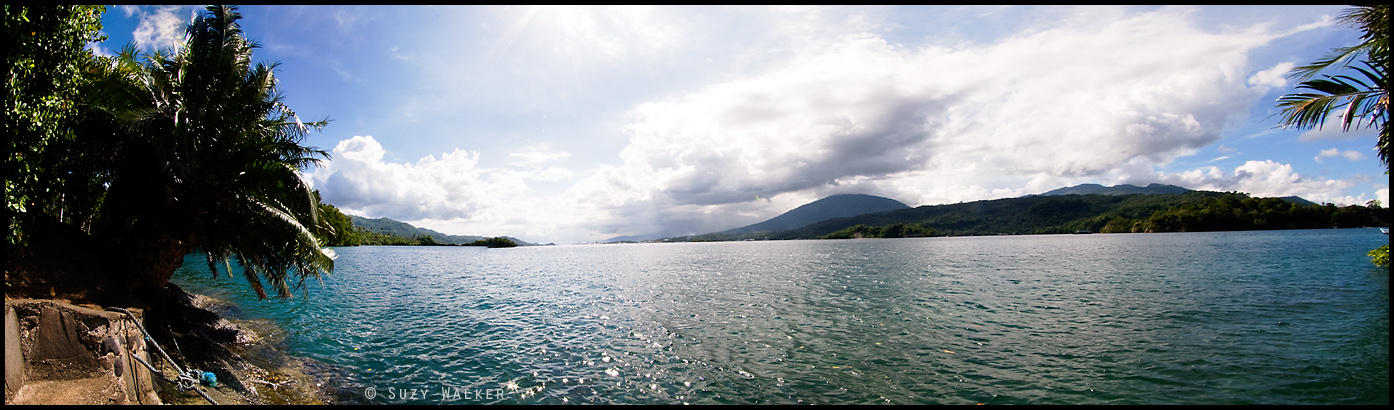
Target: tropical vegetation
[1359, 92]
[148, 157]
[495, 242]
[899, 230]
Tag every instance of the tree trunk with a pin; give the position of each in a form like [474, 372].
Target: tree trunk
[146, 230]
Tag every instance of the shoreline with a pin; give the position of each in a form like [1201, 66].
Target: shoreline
[251, 359]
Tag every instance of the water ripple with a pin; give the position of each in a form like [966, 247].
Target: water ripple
[1293, 317]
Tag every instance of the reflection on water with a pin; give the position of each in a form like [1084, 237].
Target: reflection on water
[1234, 317]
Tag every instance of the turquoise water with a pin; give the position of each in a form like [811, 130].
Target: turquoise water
[1270, 317]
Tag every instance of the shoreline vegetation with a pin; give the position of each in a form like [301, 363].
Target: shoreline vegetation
[342, 231]
[119, 166]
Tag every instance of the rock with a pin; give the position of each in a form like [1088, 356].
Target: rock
[60, 353]
[14, 359]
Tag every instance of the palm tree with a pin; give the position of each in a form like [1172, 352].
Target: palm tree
[1365, 98]
[209, 162]
[1361, 95]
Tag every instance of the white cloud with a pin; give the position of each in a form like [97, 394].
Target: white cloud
[160, 27]
[1325, 21]
[1352, 155]
[450, 193]
[599, 33]
[358, 179]
[1275, 77]
[98, 50]
[1267, 178]
[819, 105]
[929, 125]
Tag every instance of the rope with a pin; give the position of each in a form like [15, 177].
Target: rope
[186, 379]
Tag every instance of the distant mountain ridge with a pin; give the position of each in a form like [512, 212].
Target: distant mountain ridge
[1129, 189]
[1297, 200]
[1193, 211]
[1122, 189]
[831, 207]
[398, 228]
[1080, 208]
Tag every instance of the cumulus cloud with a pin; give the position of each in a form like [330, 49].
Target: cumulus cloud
[1352, 155]
[1060, 105]
[451, 193]
[448, 187]
[829, 106]
[1266, 178]
[160, 27]
[1275, 77]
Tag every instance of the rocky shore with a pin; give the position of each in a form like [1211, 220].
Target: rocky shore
[59, 352]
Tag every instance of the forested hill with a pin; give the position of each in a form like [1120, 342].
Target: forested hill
[835, 206]
[393, 227]
[1190, 211]
[1127, 189]
[349, 230]
[1123, 189]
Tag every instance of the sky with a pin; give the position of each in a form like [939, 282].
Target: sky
[572, 124]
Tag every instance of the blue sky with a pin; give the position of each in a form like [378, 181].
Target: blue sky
[581, 123]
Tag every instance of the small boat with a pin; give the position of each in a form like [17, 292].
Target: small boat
[1384, 231]
[1082, 231]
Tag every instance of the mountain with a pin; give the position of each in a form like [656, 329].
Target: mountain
[1297, 200]
[836, 206]
[1124, 189]
[1128, 189]
[1193, 211]
[397, 228]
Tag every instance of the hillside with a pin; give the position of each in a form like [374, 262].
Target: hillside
[1129, 189]
[1023, 215]
[832, 207]
[1039, 214]
[393, 227]
[1123, 189]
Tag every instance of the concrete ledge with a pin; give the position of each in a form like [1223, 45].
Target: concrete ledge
[60, 353]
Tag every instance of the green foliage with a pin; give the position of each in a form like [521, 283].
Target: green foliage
[212, 160]
[376, 238]
[1380, 256]
[45, 62]
[337, 229]
[158, 155]
[1360, 94]
[1233, 212]
[495, 242]
[898, 230]
[1119, 224]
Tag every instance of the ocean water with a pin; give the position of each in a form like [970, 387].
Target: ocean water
[1260, 317]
